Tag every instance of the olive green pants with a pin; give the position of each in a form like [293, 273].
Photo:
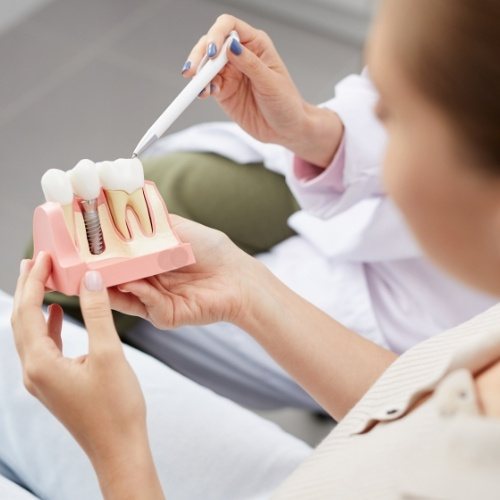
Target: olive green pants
[247, 202]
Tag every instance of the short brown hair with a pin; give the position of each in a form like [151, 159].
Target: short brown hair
[455, 60]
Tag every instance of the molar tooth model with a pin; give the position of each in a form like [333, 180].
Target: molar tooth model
[105, 217]
[123, 183]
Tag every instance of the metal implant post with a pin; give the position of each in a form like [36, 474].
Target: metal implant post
[93, 226]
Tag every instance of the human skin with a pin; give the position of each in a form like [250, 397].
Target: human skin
[256, 91]
[97, 397]
[335, 365]
[448, 200]
[451, 205]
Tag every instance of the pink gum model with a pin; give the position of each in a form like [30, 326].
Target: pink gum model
[122, 261]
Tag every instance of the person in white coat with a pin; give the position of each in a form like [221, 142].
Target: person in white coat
[353, 255]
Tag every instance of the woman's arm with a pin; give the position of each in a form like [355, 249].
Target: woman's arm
[332, 363]
[128, 473]
[335, 365]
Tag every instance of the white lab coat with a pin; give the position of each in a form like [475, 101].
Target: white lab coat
[354, 256]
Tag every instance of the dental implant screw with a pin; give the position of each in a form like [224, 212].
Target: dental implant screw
[93, 227]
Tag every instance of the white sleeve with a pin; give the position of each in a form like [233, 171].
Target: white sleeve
[360, 223]
[362, 147]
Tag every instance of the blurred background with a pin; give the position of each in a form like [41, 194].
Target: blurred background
[86, 78]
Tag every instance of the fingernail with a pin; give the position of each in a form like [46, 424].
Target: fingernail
[23, 265]
[214, 89]
[187, 65]
[93, 281]
[211, 49]
[202, 92]
[236, 47]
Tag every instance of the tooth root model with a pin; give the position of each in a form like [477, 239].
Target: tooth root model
[123, 183]
[56, 186]
[85, 182]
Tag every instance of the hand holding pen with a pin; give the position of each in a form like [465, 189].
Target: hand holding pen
[254, 88]
[240, 67]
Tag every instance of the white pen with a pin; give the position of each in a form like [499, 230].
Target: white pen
[207, 70]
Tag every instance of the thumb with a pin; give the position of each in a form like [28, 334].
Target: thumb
[96, 311]
[248, 63]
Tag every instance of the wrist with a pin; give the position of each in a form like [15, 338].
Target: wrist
[259, 297]
[319, 137]
[127, 471]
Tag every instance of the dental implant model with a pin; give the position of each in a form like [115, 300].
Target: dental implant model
[85, 182]
[105, 217]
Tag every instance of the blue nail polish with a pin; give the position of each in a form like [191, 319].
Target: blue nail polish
[236, 47]
[186, 66]
[212, 49]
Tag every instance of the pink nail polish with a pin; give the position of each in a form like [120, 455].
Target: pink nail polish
[93, 281]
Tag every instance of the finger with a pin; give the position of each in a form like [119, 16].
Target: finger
[217, 34]
[34, 285]
[216, 85]
[249, 63]
[96, 311]
[54, 324]
[194, 58]
[28, 321]
[147, 294]
[29, 309]
[204, 93]
[126, 303]
[214, 39]
[24, 269]
[223, 26]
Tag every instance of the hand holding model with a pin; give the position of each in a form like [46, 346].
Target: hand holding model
[256, 91]
[96, 396]
[219, 287]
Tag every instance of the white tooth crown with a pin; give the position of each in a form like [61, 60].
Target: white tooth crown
[85, 180]
[124, 174]
[56, 186]
[102, 166]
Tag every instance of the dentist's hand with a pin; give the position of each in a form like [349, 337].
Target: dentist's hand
[217, 288]
[96, 396]
[256, 91]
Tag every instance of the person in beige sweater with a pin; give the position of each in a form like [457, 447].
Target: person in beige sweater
[424, 425]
